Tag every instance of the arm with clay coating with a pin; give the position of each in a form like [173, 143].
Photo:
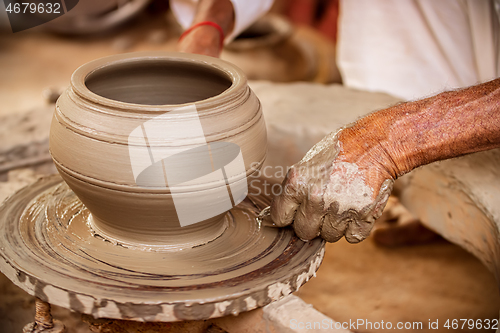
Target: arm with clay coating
[342, 184]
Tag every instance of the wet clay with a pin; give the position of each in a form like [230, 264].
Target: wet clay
[329, 197]
[108, 240]
[157, 82]
[49, 250]
[110, 98]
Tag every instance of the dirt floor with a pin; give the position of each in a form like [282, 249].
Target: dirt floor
[437, 281]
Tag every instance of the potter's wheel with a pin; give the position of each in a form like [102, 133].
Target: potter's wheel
[48, 249]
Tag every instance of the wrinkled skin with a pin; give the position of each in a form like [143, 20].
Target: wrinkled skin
[343, 183]
[332, 193]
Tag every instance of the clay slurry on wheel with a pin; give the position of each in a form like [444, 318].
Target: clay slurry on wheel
[211, 175]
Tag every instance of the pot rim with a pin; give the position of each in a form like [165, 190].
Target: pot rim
[234, 74]
[279, 30]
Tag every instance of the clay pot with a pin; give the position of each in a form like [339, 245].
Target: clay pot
[284, 53]
[153, 143]
[268, 42]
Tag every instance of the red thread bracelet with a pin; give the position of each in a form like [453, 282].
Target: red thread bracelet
[210, 23]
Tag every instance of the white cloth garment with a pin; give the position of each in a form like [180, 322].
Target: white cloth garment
[245, 11]
[416, 48]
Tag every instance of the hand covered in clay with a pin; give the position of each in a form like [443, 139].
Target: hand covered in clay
[339, 188]
[343, 183]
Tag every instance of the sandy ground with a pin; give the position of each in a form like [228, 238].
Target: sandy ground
[438, 281]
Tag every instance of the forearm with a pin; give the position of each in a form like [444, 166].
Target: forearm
[206, 39]
[217, 11]
[413, 134]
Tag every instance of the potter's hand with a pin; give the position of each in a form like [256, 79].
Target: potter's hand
[337, 189]
[342, 184]
[214, 19]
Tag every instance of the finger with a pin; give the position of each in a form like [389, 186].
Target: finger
[284, 206]
[283, 209]
[380, 201]
[362, 221]
[358, 230]
[333, 228]
[309, 217]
